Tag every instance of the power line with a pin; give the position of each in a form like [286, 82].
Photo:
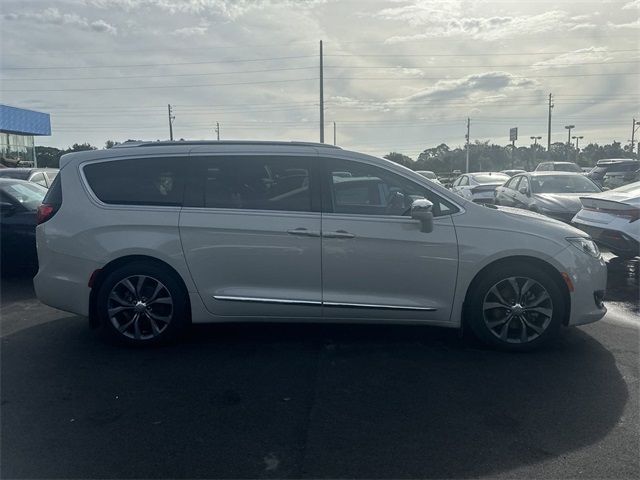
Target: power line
[52, 67]
[344, 67]
[463, 54]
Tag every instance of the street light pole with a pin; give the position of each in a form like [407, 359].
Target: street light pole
[535, 147]
[569, 127]
[577, 139]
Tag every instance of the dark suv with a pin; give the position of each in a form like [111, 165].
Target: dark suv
[615, 172]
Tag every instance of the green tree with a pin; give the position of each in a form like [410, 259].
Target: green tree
[401, 159]
[48, 156]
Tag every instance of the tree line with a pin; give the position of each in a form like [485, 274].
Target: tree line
[483, 156]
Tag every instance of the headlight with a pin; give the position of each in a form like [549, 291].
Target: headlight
[585, 245]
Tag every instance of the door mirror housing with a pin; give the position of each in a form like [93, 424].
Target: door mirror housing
[7, 209]
[422, 210]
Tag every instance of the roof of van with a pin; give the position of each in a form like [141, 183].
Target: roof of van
[220, 142]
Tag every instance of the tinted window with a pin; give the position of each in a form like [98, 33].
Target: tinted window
[371, 190]
[257, 183]
[13, 173]
[624, 167]
[140, 181]
[563, 184]
[523, 186]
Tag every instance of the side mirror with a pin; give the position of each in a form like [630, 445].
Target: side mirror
[7, 209]
[422, 210]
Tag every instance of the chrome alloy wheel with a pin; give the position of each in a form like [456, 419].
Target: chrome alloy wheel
[140, 307]
[517, 309]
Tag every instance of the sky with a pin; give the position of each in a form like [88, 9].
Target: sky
[398, 75]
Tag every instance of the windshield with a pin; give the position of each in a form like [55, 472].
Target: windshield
[491, 178]
[30, 195]
[563, 184]
[567, 167]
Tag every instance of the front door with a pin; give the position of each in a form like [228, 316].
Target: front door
[376, 261]
[250, 231]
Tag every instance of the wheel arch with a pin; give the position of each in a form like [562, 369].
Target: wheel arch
[521, 259]
[100, 275]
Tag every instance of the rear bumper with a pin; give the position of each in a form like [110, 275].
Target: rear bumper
[612, 239]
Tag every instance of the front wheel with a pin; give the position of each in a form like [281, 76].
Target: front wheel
[142, 304]
[516, 307]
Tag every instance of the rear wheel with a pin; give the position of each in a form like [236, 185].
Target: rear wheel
[142, 304]
[516, 307]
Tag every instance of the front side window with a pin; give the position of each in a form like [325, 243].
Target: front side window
[138, 181]
[370, 190]
[256, 182]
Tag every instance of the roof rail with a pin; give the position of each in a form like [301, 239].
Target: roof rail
[164, 143]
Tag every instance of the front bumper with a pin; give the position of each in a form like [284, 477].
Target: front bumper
[589, 278]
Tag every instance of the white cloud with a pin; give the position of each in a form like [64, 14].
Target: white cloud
[52, 16]
[584, 55]
[631, 5]
[472, 85]
[230, 9]
[191, 31]
[487, 28]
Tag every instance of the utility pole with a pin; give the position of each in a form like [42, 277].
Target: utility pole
[171, 119]
[569, 127]
[535, 148]
[321, 97]
[218, 130]
[549, 124]
[334, 133]
[467, 143]
[633, 134]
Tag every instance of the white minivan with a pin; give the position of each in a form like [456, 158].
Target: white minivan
[146, 238]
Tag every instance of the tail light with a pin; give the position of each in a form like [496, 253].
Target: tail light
[45, 212]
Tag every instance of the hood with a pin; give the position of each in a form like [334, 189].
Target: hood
[532, 221]
[559, 202]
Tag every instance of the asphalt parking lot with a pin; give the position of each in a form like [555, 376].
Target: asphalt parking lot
[292, 401]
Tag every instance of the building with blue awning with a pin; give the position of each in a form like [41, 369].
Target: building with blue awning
[18, 127]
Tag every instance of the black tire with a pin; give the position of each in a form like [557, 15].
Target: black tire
[478, 318]
[148, 331]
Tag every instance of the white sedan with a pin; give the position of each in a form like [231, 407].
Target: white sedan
[612, 218]
[479, 187]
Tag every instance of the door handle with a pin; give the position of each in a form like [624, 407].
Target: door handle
[303, 232]
[338, 234]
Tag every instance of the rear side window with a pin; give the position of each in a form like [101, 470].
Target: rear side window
[139, 181]
[255, 182]
[39, 179]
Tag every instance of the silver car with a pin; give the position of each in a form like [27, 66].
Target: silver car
[555, 194]
[147, 238]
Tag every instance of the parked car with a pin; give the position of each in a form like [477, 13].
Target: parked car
[555, 194]
[615, 172]
[479, 187]
[430, 175]
[511, 173]
[613, 219]
[19, 201]
[558, 167]
[147, 238]
[42, 176]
